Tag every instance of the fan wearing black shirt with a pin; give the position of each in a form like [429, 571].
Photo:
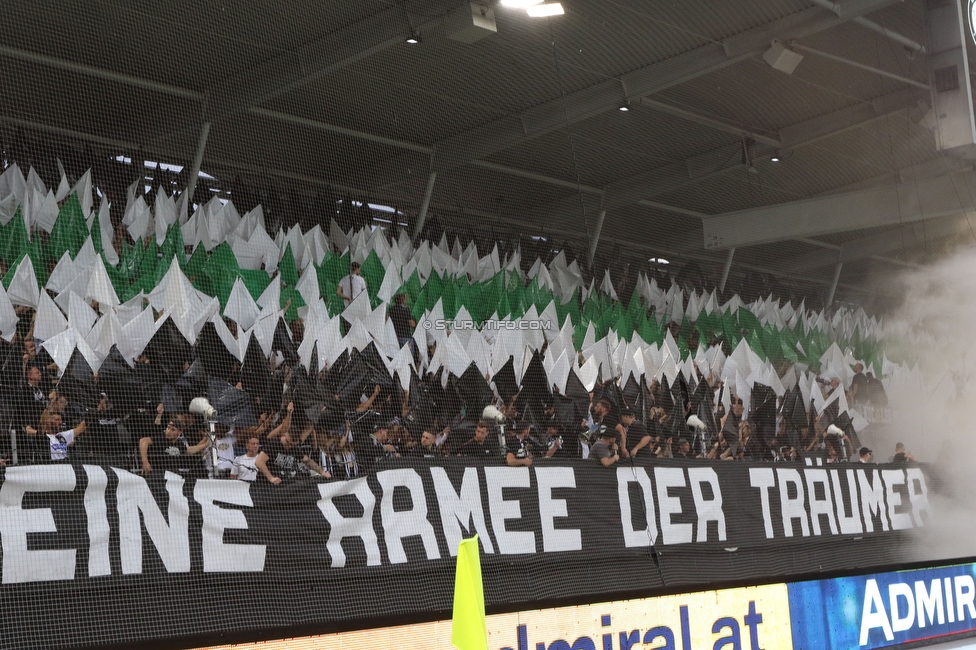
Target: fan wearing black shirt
[902, 456]
[167, 448]
[403, 322]
[555, 447]
[874, 391]
[102, 441]
[606, 416]
[858, 385]
[480, 444]
[33, 399]
[427, 447]
[518, 454]
[369, 449]
[637, 434]
[286, 458]
[683, 450]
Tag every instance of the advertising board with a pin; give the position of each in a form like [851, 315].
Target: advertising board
[748, 618]
[883, 609]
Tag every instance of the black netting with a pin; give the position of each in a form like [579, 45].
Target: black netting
[268, 267]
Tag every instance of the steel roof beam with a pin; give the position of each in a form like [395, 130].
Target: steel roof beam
[850, 117]
[680, 174]
[860, 66]
[625, 192]
[873, 26]
[711, 123]
[638, 189]
[91, 71]
[916, 234]
[608, 95]
[313, 60]
[947, 195]
[293, 69]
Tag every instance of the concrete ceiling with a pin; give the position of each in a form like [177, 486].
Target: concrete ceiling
[523, 127]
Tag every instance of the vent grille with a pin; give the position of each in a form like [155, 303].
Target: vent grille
[946, 79]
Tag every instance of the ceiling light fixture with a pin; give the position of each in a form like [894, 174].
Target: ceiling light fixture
[624, 107]
[414, 38]
[779, 57]
[542, 11]
[520, 4]
[774, 159]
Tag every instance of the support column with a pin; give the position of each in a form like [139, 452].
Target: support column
[596, 236]
[422, 217]
[726, 269]
[191, 184]
[833, 285]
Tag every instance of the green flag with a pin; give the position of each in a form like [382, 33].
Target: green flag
[221, 272]
[333, 268]
[372, 271]
[149, 259]
[37, 259]
[8, 278]
[287, 268]
[196, 263]
[69, 232]
[14, 240]
[449, 298]
[469, 631]
[172, 245]
[419, 306]
[128, 262]
[412, 286]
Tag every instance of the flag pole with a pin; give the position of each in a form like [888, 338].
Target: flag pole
[469, 630]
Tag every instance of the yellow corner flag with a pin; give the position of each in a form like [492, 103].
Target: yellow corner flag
[468, 628]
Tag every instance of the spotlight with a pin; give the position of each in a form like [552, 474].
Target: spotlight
[542, 11]
[624, 108]
[774, 159]
[414, 38]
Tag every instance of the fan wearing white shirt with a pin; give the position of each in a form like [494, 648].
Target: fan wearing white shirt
[244, 469]
[52, 441]
[352, 285]
[224, 442]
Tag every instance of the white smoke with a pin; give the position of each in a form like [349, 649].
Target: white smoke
[933, 394]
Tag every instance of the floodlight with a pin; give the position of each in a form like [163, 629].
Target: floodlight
[542, 11]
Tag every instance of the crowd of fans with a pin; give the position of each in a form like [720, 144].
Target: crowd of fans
[286, 422]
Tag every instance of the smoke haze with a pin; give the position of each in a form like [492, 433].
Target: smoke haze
[933, 401]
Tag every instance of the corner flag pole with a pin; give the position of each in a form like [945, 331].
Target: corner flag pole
[468, 628]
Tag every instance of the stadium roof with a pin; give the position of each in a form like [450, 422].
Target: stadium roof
[523, 126]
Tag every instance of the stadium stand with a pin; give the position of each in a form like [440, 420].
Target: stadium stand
[211, 299]
[649, 320]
